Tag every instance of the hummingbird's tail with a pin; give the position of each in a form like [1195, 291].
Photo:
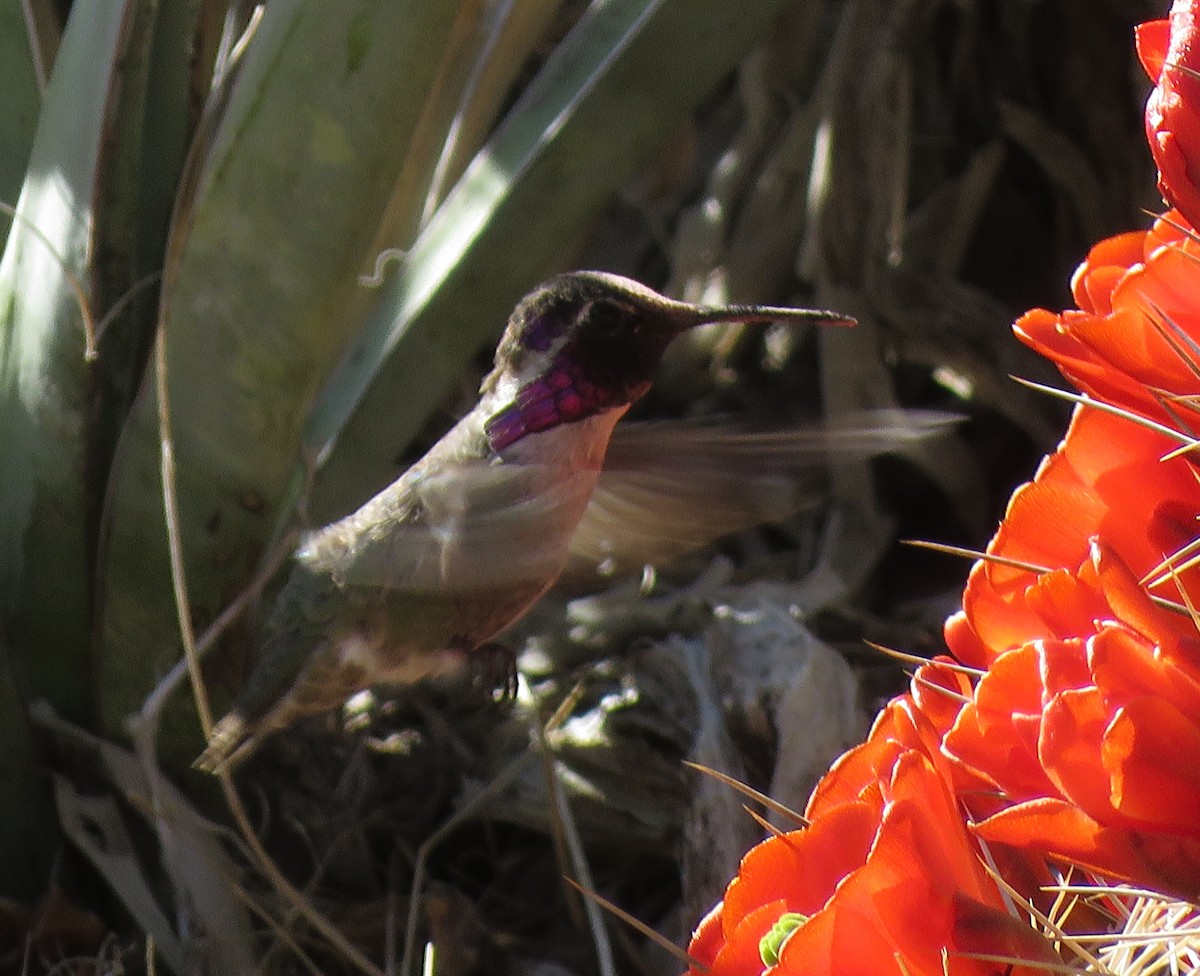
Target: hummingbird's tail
[228, 745]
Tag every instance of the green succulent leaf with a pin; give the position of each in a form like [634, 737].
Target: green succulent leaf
[260, 294]
[18, 81]
[68, 250]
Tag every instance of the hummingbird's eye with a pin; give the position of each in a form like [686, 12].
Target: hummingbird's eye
[607, 318]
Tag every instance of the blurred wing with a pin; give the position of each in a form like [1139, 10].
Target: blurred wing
[469, 525]
[669, 487]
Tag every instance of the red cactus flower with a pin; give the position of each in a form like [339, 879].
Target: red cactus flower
[1105, 481]
[1078, 741]
[1170, 52]
[885, 879]
[1093, 743]
[1086, 723]
[1133, 340]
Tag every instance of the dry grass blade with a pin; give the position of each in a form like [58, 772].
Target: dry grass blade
[558, 830]
[44, 28]
[96, 827]
[155, 702]
[174, 543]
[656, 937]
[1059, 158]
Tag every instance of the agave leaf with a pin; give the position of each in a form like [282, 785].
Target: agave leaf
[18, 81]
[259, 296]
[44, 27]
[507, 38]
[53, 457]
[459, 50]
[50, 456]
[627, 74]
[147, 132]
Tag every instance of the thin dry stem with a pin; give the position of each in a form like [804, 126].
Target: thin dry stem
[920, 661]
[635, 923]
[986, 557]
[1083, 400]
[581, 869]
[262, 859]
[90, 350]
[771, 804]
[762, 821]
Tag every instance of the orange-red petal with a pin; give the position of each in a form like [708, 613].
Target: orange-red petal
[1163, 861]
[1173, 109]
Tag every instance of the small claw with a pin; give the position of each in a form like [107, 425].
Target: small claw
[496, 669]
[226, 746]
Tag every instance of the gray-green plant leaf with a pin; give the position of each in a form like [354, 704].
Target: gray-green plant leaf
[260, 296]
[46, 504]
[48, 458]
[18, 81]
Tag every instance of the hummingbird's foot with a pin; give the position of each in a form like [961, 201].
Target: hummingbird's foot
[495, 668]
[228, 744]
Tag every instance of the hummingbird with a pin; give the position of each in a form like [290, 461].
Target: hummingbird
[419, 581]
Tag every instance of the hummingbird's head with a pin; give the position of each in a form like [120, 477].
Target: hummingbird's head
[589, 341]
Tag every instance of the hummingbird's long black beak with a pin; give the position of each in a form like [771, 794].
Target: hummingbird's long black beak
[688, 315]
